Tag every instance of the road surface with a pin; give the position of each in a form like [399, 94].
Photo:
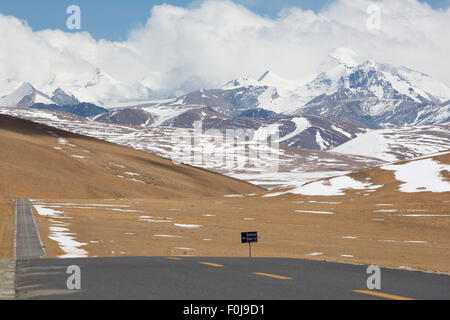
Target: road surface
[28, 244]
[189, 278]
[219, 278]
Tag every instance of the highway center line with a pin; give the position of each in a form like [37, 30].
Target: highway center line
[272, 276]
[382, 295]
[174, 258]
[212, 264]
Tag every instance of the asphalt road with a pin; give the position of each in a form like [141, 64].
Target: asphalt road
[28, 244]
[187, 278]
[163, 278]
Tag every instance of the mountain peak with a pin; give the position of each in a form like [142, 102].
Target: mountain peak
[25, 89]
[244, 81]
[14, 99]
[61, 98]
[346, 56]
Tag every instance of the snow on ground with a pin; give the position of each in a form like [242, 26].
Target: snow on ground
[345, 133]
[301, 125]
[165, 113]
[59, 228]
[332, 187]
[316, 212]
[124, 210]
[130, 179]
[421, 176]
[136, 180]
[60, 232]
[323, 144]
[188, 226]
[291, 179]
[153, 219]
[132, 173]
[117, 165]
[399, 143]
[64, 142]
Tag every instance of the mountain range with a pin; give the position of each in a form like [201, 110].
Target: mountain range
[26, 96]
[346, 97]
[349, 89]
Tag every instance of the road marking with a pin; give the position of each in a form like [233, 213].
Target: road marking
[272, 276]
[212, 264]
[174, 258]
[382, 295]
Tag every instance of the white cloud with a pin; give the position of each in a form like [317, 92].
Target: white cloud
[216, 41]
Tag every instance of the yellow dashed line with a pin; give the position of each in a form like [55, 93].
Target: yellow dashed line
[174, 258]
[212, 264]
[382, 295]
[272, 276]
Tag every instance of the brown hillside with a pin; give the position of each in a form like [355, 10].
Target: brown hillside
[37, 161]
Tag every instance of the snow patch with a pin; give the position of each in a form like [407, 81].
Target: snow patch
[332, 187]
[317, 212]
[188, 226]
[60, 233]
[421, 176]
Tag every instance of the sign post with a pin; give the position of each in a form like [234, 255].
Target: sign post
[249, 237]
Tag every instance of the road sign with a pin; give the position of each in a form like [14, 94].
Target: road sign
[249, 237]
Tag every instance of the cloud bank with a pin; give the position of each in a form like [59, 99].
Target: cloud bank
[208, 44]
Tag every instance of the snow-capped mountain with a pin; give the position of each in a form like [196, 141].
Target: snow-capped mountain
[344, 70]
[232, 99]
[347, 88]
[348, 93]
[25, 96]
[98, 87]
[374, 95]
[92, 85]
[61, 98]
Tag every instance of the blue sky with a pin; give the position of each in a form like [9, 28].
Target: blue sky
[113, 19]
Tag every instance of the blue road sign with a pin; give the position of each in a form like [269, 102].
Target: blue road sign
[249, 237]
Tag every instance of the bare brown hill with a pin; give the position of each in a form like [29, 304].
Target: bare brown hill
[37, 161]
